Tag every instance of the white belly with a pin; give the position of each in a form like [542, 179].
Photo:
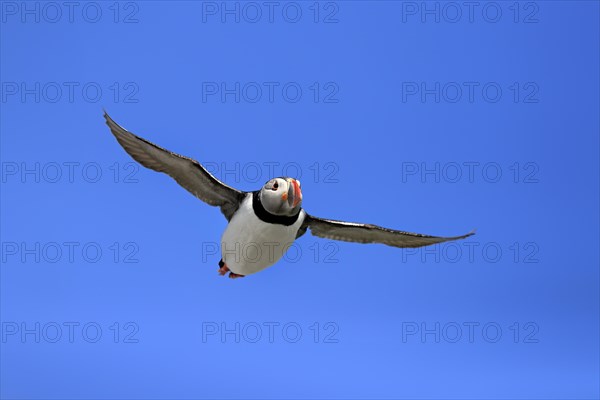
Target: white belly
[250, 245]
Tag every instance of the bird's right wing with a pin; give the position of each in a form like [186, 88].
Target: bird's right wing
[187, 172]
[368, 233]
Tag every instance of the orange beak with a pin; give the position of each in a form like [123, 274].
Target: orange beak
[297, 193]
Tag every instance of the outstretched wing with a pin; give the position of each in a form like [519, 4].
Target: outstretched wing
[186, 171]
[367, 233]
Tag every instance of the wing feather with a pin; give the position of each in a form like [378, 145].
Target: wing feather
[188, 172]
[368, 233]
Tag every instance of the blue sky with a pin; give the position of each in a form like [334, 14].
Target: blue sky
[428, 117]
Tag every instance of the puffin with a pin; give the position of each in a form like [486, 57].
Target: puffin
[262, 224]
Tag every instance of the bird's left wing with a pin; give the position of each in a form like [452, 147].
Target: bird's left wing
[186, 171]
[367, 233]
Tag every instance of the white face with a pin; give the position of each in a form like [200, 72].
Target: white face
[281, 196]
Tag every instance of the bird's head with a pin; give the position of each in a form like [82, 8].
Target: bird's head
[281, 196]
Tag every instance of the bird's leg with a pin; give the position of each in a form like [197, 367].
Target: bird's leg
[223, 268]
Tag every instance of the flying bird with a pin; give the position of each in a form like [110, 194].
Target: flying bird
[263, 223]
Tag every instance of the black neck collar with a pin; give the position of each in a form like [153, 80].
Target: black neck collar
[266, 216]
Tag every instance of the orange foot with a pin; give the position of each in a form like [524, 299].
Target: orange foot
[234, 276]
[223, 268]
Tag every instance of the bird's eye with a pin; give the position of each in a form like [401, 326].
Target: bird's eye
[275, 186]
